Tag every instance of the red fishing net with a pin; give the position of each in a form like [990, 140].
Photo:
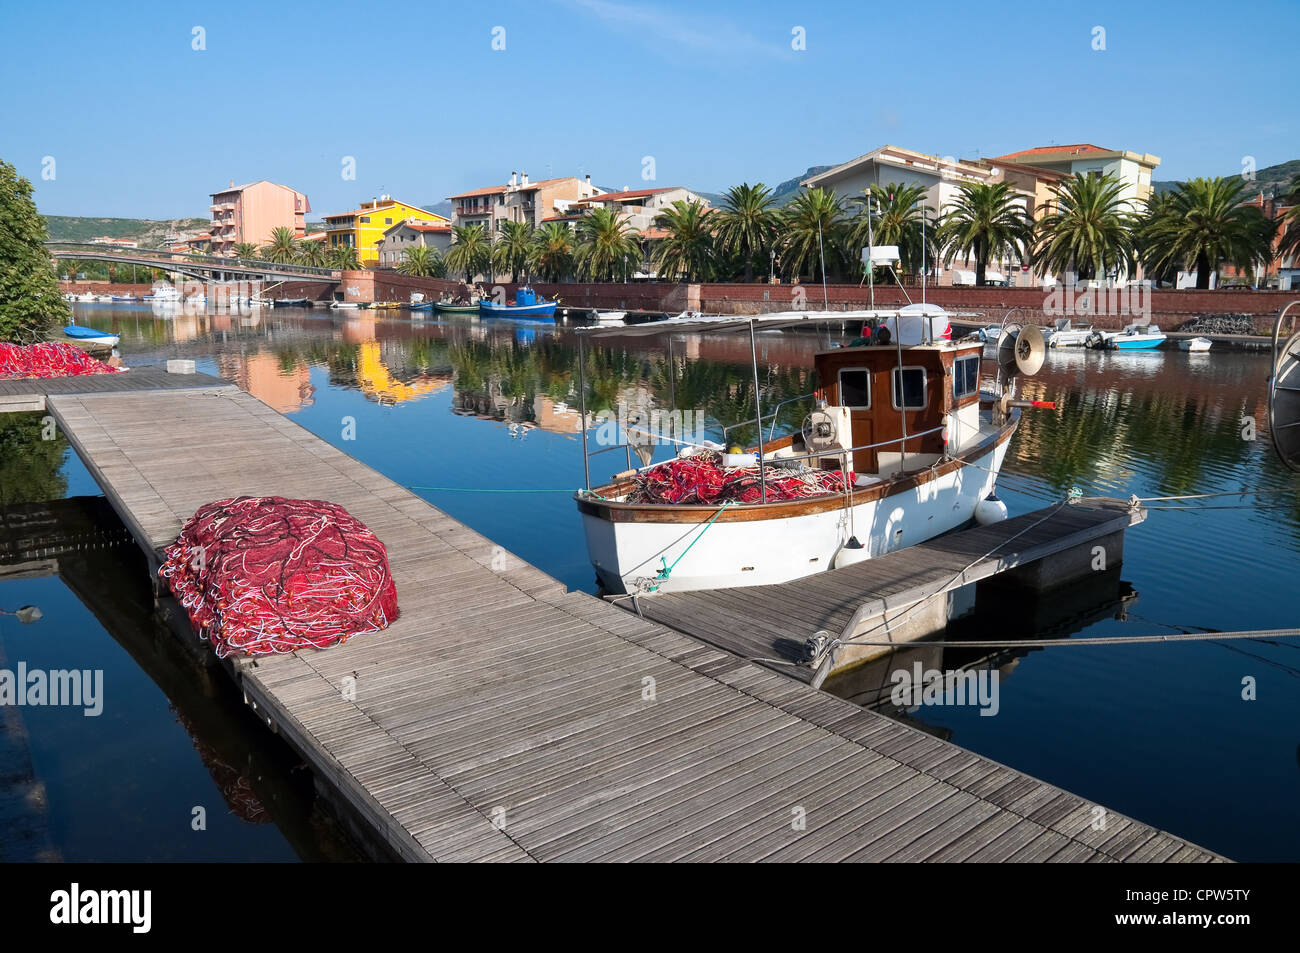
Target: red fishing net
[703, 479]
[264, 575]
[48, 359]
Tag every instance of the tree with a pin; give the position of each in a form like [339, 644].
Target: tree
[1089, 229]
[470, 251]
[607, 247]
[986, 221]
[344, 258]
[421, 261]
[1206, 221]
[245, 250]
[551, 254]
[899, 217]
[1290, 244]
[30, 302]
[313, 253]
[686, 252]
[812, 229]
[283, 247]
[510, 250]
[746, 223]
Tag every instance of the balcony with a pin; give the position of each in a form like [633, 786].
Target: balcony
[467, 211]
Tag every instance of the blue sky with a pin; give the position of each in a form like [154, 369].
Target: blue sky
[141, 124]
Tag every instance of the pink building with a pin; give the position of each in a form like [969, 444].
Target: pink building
[249, 213]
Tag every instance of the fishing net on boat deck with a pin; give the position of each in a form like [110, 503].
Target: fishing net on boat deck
[702, 478]
[269, 575]
[48, 359]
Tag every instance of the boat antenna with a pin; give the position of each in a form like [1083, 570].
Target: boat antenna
[925, 258]
[822, 253]
[871, 244]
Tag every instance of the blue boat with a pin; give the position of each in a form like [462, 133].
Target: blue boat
[426, 306]
[527, 305]
[1138, 337]
[90, 335]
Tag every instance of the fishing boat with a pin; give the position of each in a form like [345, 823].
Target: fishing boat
[527, 305]
[1064, 334]
[1134, 337]
[104, 299]
[91, 336]
[291, 303]
[125, 299]
[1195, 345]
[421, 306]
[87, 297]
[163, 293]
[451, 307]
[899, 411]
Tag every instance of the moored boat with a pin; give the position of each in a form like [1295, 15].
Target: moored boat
[91, 336]
[125, 299]
[1064, 334]
[610, 317]
[527, 305]
[921, 449]
[1134, 337]
[451, 307]
[291, 303]
[1195, 345]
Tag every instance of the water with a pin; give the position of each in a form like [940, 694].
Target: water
[475, 412]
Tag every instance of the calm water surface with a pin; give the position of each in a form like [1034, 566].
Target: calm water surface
[1160, 732]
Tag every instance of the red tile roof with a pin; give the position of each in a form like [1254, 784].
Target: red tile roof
[422, 227]
[495, 189]
[1081, 148]
[620, 196]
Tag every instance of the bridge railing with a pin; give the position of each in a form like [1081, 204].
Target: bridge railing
[166, 256]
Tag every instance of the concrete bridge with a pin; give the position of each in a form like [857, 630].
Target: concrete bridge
[202, 267]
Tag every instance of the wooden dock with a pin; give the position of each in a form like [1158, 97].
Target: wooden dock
[504, 718]
[877, 600]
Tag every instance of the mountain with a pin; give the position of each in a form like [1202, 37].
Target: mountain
[148, 233]
[784, 192]
[1275, 179]
[442, 208]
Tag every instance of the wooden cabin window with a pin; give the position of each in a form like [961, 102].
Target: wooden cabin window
[909, 388]
[855, 388]
[965, 376]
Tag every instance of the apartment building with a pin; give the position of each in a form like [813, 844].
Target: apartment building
[364, 228]
[519, 200]
[251, 212]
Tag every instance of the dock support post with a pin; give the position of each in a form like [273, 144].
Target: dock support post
[758, 412]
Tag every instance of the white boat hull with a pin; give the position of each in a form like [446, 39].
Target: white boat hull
[762, 552]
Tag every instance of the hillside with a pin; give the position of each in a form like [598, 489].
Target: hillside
[784, 192]
[1274, 179]
[147, 232]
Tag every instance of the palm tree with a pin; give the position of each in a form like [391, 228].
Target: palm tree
[314, 254]
[470, 251]
[984, 222]
[898, 217]
[551, 254]
[420, 261]
[687, 250]
[344, 258]
[510, 250]
[812, 226]
[607, 247]
[1205, 222]
[746, 223]
[283, 247]
[245, 250]
[1089, 229]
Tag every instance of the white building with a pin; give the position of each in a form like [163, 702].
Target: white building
[411, 233]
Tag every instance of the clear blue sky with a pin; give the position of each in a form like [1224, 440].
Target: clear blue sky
[142, 125]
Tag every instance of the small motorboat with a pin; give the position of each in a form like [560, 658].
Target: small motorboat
[345, 305]
[452, 307]
[124, 299]
[87, 297]
[163, 293]
[90, 335]
[1195, 345]
[1137, 337]
[421, 306]
[527, 306]
[991, 334]
[104, 299]
[291, 303]
[610, 317]
[1064, 334]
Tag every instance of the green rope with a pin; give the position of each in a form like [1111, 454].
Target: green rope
[667, 570]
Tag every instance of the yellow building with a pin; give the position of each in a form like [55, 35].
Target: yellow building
[364, 228]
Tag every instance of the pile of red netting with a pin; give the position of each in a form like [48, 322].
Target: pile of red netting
[264, 575]
[702, 478]
[48, 359]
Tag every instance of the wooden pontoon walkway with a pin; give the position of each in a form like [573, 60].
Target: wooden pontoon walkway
[772, 622]
[503, 718]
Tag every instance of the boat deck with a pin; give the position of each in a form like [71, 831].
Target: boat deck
[771, 623]
[504, 718]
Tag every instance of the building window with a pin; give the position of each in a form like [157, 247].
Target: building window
[365, 219]
[855, 388]
[909, 388]
[388, 221]
[966, 376]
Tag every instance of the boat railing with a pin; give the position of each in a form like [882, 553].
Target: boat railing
[775, 412]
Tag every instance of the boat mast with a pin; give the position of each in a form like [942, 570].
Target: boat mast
[582, 413]
[758, 412]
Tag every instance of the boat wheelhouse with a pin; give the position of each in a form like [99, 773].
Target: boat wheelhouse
[899, 448]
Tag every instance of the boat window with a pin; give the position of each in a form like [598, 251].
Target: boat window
[855, 388]
[909, 388]
[966, 376]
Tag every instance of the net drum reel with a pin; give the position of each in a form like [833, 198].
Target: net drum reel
[1284, 390]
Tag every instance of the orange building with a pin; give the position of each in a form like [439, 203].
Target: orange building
[250, 212]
